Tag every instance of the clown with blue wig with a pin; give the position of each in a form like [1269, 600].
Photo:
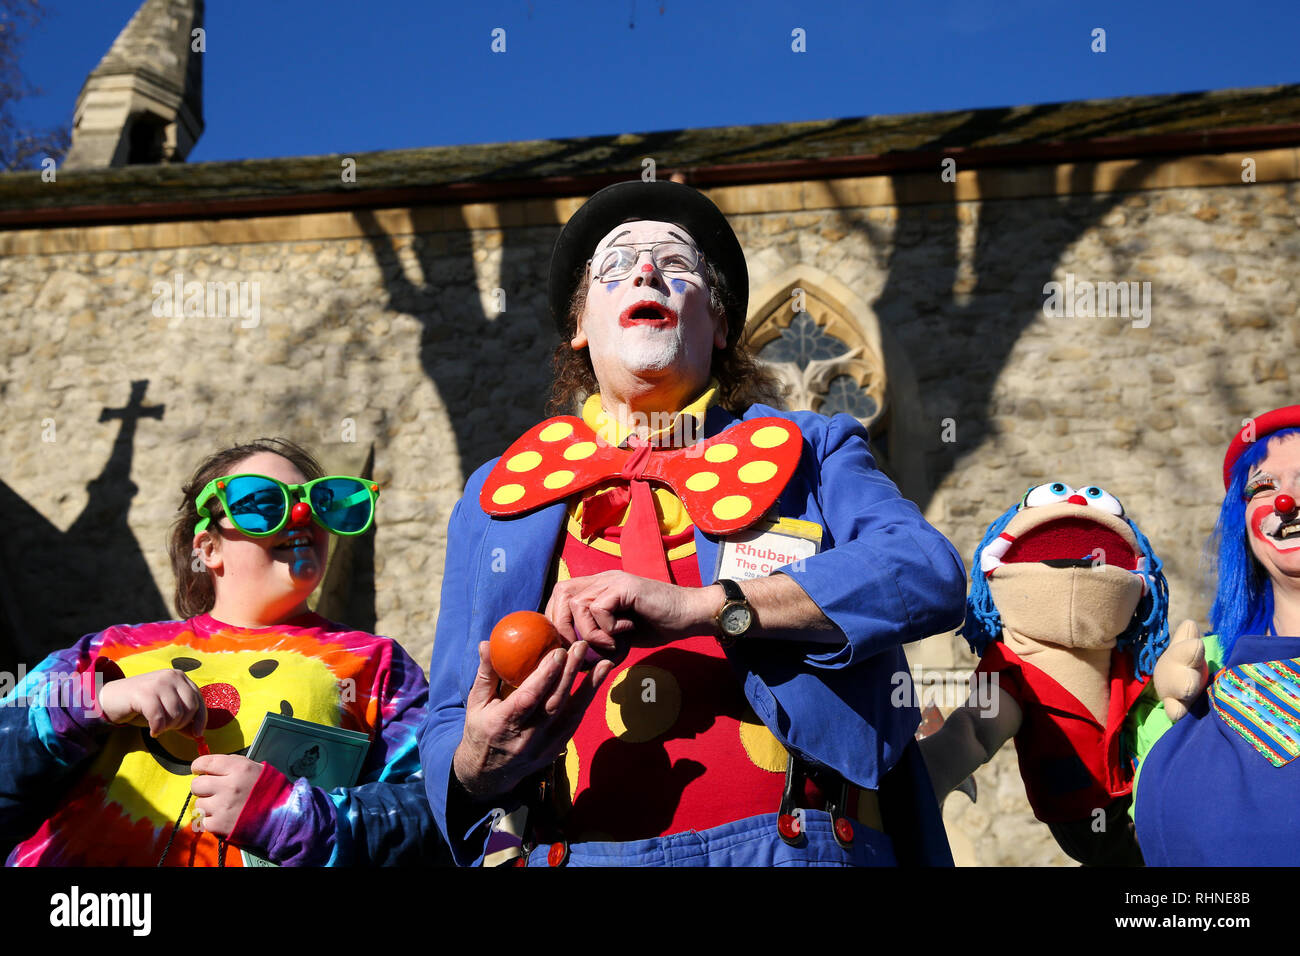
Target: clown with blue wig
[1068, 610]
[1238, 732]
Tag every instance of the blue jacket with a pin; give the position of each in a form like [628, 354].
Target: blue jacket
[884, 577]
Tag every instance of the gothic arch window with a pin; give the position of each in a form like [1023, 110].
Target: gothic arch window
[828, 348]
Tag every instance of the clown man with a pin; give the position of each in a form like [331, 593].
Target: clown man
[693, 717]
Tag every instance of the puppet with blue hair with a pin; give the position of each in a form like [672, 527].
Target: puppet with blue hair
[1068, 610]
[1240, 735]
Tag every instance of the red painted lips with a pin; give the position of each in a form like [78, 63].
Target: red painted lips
[650, 312]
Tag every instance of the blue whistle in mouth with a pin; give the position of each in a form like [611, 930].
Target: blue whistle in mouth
[303, 565]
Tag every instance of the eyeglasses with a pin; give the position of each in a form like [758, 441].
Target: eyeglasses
[617, 262]
[259, 506]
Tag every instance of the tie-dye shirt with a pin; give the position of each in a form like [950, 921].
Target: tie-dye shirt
[76, 790]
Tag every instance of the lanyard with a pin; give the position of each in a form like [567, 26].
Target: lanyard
[221, 842]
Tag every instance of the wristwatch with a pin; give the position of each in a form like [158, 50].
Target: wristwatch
[736, 617]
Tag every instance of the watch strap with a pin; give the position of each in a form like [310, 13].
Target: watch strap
[732, 590]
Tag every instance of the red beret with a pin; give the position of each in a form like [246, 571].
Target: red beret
[1261, 426]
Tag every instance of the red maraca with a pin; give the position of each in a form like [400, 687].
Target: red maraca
[518, 644]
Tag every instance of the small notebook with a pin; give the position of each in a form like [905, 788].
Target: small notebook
[327, 757]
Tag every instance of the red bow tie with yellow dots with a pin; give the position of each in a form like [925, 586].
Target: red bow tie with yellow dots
[725, 483]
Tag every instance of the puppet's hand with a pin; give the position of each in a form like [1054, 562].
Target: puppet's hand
[223, 784]
[1181, 673]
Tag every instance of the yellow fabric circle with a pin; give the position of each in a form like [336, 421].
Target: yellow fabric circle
[558, 479]
[583, 449]
[732, 506]
[643, 703]
[524, 461]
[764, 750]
[556, 430]
[770, 437]
[702, 481]
[717, 453]
[757, 472]
[507, 494]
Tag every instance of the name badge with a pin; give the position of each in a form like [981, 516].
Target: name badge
[767, 547]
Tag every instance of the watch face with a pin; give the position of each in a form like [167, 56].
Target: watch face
[736, 619]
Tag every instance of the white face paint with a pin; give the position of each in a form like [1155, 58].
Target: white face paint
[1274, 538]
[647, 346]
[650, 324]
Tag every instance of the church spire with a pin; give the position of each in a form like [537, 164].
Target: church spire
[144, 102]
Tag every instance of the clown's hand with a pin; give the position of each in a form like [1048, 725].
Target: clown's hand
[610, 608]
[506, 740]
[1181, 673]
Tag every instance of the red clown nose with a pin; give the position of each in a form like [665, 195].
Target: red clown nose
[300, 514]
[1284, 505]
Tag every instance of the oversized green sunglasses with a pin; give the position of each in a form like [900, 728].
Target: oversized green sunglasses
[260, 506]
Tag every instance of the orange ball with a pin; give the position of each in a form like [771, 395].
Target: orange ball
[518, 644]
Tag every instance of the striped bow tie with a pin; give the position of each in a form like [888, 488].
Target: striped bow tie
[725, 484]
[1262, 703]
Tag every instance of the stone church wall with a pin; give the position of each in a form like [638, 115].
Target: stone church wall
[385, 331]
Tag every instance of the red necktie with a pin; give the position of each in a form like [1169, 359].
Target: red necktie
[640, 544]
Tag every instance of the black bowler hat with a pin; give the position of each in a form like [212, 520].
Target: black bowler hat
[662, 201]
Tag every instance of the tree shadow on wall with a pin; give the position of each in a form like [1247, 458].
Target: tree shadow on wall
[1008, 282]
[492, 370]
[488, 368]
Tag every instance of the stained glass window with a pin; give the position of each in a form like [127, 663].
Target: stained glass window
[843, 394]
[802, 342]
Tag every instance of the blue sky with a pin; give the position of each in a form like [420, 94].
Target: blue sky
[308, 77]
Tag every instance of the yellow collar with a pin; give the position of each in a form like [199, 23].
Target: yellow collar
[613, 432]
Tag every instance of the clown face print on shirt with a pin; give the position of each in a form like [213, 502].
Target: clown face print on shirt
[243, 675]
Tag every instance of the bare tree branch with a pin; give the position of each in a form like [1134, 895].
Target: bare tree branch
[20, 147]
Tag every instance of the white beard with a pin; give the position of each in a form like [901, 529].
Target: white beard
[648, 349]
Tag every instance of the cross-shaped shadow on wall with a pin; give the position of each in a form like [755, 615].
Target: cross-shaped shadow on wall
[56, 586]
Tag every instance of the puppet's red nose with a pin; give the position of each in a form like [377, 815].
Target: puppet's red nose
[1077, 500]
[222, 701]
[300, 514]
[1284, 505]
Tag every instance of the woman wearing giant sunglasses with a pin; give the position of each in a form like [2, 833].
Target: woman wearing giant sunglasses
[130, 747]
